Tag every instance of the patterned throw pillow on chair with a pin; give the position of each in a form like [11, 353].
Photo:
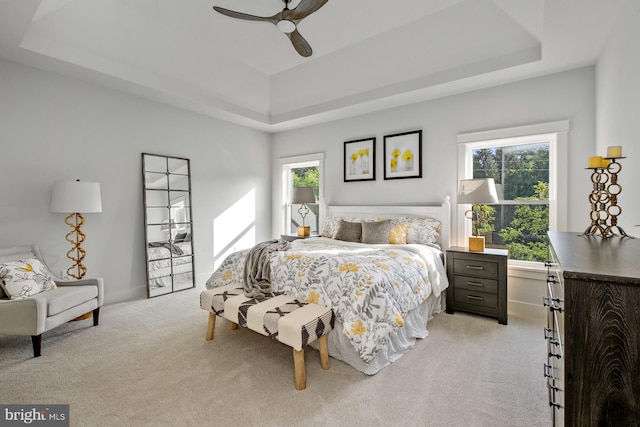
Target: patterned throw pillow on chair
[24, 278]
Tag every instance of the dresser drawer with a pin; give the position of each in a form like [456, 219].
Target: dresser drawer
[476, 284]
[474, 267]
[482, 299]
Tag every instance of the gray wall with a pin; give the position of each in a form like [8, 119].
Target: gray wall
[618, 108]
[568, 95]
[564, 96]
[54, 128]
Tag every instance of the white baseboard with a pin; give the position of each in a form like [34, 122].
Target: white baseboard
[527, 310]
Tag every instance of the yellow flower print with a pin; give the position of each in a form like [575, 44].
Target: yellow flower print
[359, 293]
[394, 164]
[360, 152]
[358, 328]
[349, 267]
[313, 297]
[27, 269]
[399, 320]
[408, 155]
[354, 157]
[382, 266]
[293, 256]
[395, 153]
[227, 275]
[366, 151]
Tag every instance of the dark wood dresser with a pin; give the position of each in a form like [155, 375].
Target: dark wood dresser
[593, 335]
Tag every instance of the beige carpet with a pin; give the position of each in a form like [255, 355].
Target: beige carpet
[147, 363]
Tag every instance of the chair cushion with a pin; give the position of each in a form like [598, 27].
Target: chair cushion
[65, 297]
[24, 278]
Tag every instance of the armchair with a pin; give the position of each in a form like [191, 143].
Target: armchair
[44, 311]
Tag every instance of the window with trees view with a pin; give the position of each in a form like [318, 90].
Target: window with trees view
[521, 221]
[300, 171]
[528, 165]
[308, 176]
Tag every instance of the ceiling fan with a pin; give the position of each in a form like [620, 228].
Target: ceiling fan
[287, 21]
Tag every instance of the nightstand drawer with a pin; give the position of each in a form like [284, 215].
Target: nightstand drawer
[483, 299]
[476, 284]
[473, 267]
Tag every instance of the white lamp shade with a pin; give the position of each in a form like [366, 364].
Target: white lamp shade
[76, 196]
[477, 191]
[303, 195]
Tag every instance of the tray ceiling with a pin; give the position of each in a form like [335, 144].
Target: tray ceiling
[367, 54]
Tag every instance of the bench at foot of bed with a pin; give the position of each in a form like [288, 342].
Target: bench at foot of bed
[276, 315]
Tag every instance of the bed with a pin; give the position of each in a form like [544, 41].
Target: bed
[166, 259]
[383, 293]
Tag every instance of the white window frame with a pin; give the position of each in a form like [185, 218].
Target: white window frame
[284, 202]
[556, 133]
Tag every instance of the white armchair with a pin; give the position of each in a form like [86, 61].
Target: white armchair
[44, 311]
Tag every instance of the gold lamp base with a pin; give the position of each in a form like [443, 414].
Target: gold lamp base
[476, 244]
[76, 253]
[304, 230]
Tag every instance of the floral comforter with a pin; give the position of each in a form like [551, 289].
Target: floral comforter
[371, 288]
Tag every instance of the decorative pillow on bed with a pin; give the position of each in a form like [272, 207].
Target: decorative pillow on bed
[376, 232]
[24, 278]
[348, 231]
[424, 231]
[329, 227]
[398, 232]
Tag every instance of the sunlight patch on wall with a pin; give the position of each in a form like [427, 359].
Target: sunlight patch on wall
[235, 229]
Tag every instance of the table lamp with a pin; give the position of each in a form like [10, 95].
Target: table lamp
[477, 192]
[303, 196]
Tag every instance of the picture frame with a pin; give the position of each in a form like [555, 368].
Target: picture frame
[360, 160]
[403, 155]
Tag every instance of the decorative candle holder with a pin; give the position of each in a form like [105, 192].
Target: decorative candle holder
[604, 199]
[613, 190]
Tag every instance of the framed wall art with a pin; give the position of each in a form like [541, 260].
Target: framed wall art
[360, 160]
[403, 155]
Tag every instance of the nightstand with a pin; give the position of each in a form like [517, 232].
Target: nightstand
[477, 282]
[292, 237]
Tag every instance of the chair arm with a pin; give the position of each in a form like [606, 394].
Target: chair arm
[23, 316]
[96, 281]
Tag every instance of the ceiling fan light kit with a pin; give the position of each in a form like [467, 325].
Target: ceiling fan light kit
[286, 21]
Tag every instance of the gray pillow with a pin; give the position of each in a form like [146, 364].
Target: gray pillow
[376, 232]
[349, 231]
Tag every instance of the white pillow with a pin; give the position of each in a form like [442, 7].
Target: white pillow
[424, 231]
[24, 278]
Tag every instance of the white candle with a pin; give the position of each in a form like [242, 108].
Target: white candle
[614, 151]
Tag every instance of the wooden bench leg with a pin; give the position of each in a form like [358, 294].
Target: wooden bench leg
[211, 326]
[234, 326]
[324, 352]
[299, 370]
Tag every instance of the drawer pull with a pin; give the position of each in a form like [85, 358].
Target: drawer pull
[475, 267]
[548, 371]
[548, 335]
[557, 356]
[475, 284]
[475, 298]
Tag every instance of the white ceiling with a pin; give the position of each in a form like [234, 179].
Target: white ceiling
[367, 54]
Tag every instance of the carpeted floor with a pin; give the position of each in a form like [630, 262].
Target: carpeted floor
[147, 364]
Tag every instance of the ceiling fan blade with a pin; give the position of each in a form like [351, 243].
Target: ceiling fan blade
[304, 9]
[245, 16]
[299, 43]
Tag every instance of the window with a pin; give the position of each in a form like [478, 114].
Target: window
[302, 171]
[525, 170]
